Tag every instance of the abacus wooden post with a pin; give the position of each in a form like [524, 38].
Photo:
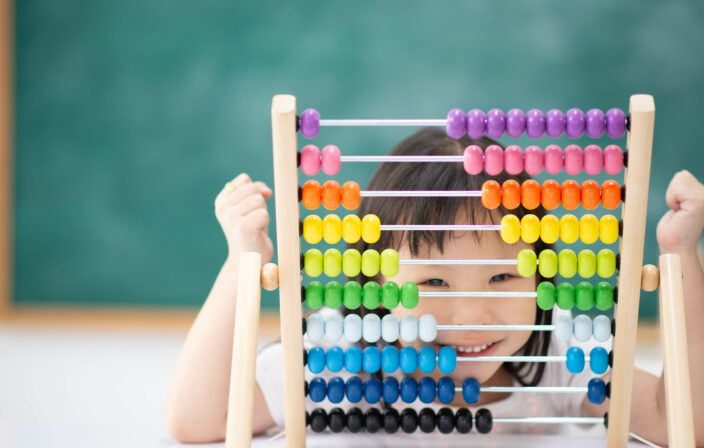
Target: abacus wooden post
[678, 394]
[244, 352]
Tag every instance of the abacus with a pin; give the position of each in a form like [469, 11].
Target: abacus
[287, 276]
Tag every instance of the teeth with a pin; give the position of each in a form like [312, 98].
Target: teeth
[472, 349]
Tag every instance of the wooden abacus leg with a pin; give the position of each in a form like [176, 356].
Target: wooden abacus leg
[244, 352]
[678, 394]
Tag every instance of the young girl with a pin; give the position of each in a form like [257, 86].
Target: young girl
[197, 404]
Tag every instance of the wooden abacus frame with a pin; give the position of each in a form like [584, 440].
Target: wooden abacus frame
[631, 277]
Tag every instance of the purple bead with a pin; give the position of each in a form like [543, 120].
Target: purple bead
[555, 123]
[310, 123]
[495, 123]
[476, 124]
[515, 123]
[535, 123]
[596, 122]
[456, 123]
[574, 123]
[615, 123]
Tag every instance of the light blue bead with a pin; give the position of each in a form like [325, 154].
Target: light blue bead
[408, 360]
[470, 390]
[316, 360]
[315, 327]
[447, 359]
[563, 328]
[582, 328]
[372, 390]
[353, 327]
[371, 328]
[389, 359]
[409, 328]
[334, 359]
[427, 328]
[446, 389]
[426, 389]
[371, 359]
[333, 327]
[353, 359]
[354, 389]
[336, 389]
[390, 390]
[599, 360]
[317, 389]
[409, 389]
[574, 360]
[601, 328]
[596, 391]
[389, 328]
[426, 359]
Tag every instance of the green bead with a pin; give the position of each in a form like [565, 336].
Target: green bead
[333, 294]
[586, 263]
[585, 296]
[351, 262]
[546, 295]
[567, 263]
[409, 295]
[389, 262]
[389, 295]
[352, 295]
[547, 263]
[604, 297]
[606, 263]
[371, 295]
[314, 295]
[332, 262]
[565, 296]
[313, 262]
[527, 263]
[370, 262]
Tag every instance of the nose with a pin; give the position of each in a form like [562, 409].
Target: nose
[464, 311]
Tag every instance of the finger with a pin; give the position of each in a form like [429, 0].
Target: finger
[233, 185]
[249, 204]
[256, 220]
[265, 190]
[233, 198]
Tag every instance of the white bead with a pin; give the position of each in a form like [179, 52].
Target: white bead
[371, 327]
[601, 327]
[353, 327]
[563, 329]
[315, 327]
[389, 328]
[427, 328]
[333, 327]
[582, 328]
[409, 328]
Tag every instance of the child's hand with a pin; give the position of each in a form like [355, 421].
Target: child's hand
[680, 228]
[241, 210]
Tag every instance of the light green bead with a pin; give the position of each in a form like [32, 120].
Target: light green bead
[332, 262]
[547, 263]
[351, 262]
[313, 262]
[527, 262]
[390, 295]
[333, 294]
[409, 295]
[371, 295]
[606, 263]
[567, 263]
[370, 262]
[389, 262]
[586, 263]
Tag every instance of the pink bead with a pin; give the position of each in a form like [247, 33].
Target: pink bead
[310, 160]
[330, 160]
[533, 160]
[473, 159]
[574, 160]
[593, 160]
[513, 160]
[553, 159]
[613, 159]
[493, 160]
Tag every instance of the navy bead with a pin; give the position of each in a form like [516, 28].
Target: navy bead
[408, 360]
[596, 391]
[446, 390]
[390, 390]
[353, 359]
[334, 359]
[599, 360]
[354, 389]
[316, 360]
[372, 390]
[336, 389]
[317, 389]
[389, 359]
[409, 389]
[574, 360]
[426, 359]
[447, 359]
[426, 389]
[470, 390]
[371, 359]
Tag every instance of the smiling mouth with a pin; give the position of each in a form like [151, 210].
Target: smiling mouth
[475, 350]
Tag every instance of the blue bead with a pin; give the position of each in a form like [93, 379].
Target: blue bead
[409, 360]
[316, 360]
[599, 360]
[317, 389]
[353, 359]
[446, 390]
[390, 389]
[447, 359]
[470, 390]
[575, 360]
[371, 359]
[372, 390]
[334, 359]
[409, 389]
[336, 389]
[426, 359]
[354, 389]
[426, 389]
[389, 359]
[596, 391]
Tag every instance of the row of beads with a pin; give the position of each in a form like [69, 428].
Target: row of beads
[493, 160]
[352, 295]
[568, 228]
[351, 263]
[350, 228]
[330, 194]
[585, 296]
[567, 263]
[551, 194]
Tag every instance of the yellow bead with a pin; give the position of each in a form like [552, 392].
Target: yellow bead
[606, 263]
[549, 229]
[371, 229]
[351, 228]
[569, 228]
[313, 262]
[389, 262]
[588, 229]
[586, 263]
[313, 229]
[332, 229]
[567, 263]
[332, 262]
[530, 228]
[351, 262]
[510, 229]
[527, 263]
[370, 262]
[608, 229]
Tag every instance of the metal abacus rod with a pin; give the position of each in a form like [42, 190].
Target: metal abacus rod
[384, 122]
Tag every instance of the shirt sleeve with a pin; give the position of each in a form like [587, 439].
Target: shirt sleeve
[270, 380]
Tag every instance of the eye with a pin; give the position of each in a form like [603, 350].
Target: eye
[434, 282]
[500, 277]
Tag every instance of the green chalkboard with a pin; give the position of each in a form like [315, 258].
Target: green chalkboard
[131, 115]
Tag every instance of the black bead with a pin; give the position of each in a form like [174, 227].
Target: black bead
[446, 421]
[628, 122]
[305, 388]
[300, 229]
[483, 421]
[355, 420]
[409, 420]
[606, 420]
[300, 193]
[611, 359]
[298, 159]
[620, 224]
[302, 262]
[625, 158]
[305, 357]
[426, 420]
[305, 325]
[615, 294]
[372, 420]
[391, 420]
[613, 327]
[307, 418]
[336, 420]
[303, 293]
[298, 123]
[608, 390]
[463, 420]
[318, 420]
[618, 262]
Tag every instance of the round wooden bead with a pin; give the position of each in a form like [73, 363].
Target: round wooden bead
[317, 390]
[574, 123]
[601, 328]
[615, 123]
[608, 229]
[313, 262]
[598, 360]
[550, 194]
[310, 194]
[447, 359]
[390, 328]
[549, 229]
[333, 294]
[352, 327]
[563, 328]
[371, 295]
[470, 390]
[372, 385]
[545, 295]
[446, 391]
[372, 420]
[350, 195]
[483, 421]
[330, 160]
[332, 262]
[533, 160]
[334, 359]
[473, 159]
[310, 160]
[574, 160]
[390, 388]
[312, 229]
[530, 194]
[604, 296]
[310, 123]
[650, 278]
[371, 363]
[351, 262]
[510, 229]
[513, 160]
[371, 229]
[426, 420]
[565, 297]
[593, 160]
[316, 360]
[511, 194]
[315, 327]
[409, 420]
[569, 228]
[555, 123]
[353, 364]
[336, 417]
[456, 125]
[530, 228]
[613, 159]
[352, 295]
[331, 195]
[351, 228]
[515, 123]
[586, 263]
[575, 360]
[596, 391]
[355, 420]
[370, 262]
[606, 263]
[426, 359]
[582, 328]
[408, 328]
[427, 328]
[314, 293]
[588, 228]
[476, 124]
[584, 296]
[463, 420]
[591, 194]
[527, 262]
[553, 159]
[610, 194]
[596, 123]
[426, 389]
[495, 123]
[390, 295]
[493, 160]
[408, 362]
[535, 123]
[332, 229]
[409, 295]
[389, 359]
[389, 263]
[318, 420]
[571, 193]
[391, 420]
[547, 263]
[270, 276]
[567, 263]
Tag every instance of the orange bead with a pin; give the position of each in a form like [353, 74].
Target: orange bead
[350, 195]
[331, 195]
[310, 195]
[491, 194]
[590, 194]
[550, 194]
[610, 194]
[570, 194]
[511, 194]
[530, 194]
